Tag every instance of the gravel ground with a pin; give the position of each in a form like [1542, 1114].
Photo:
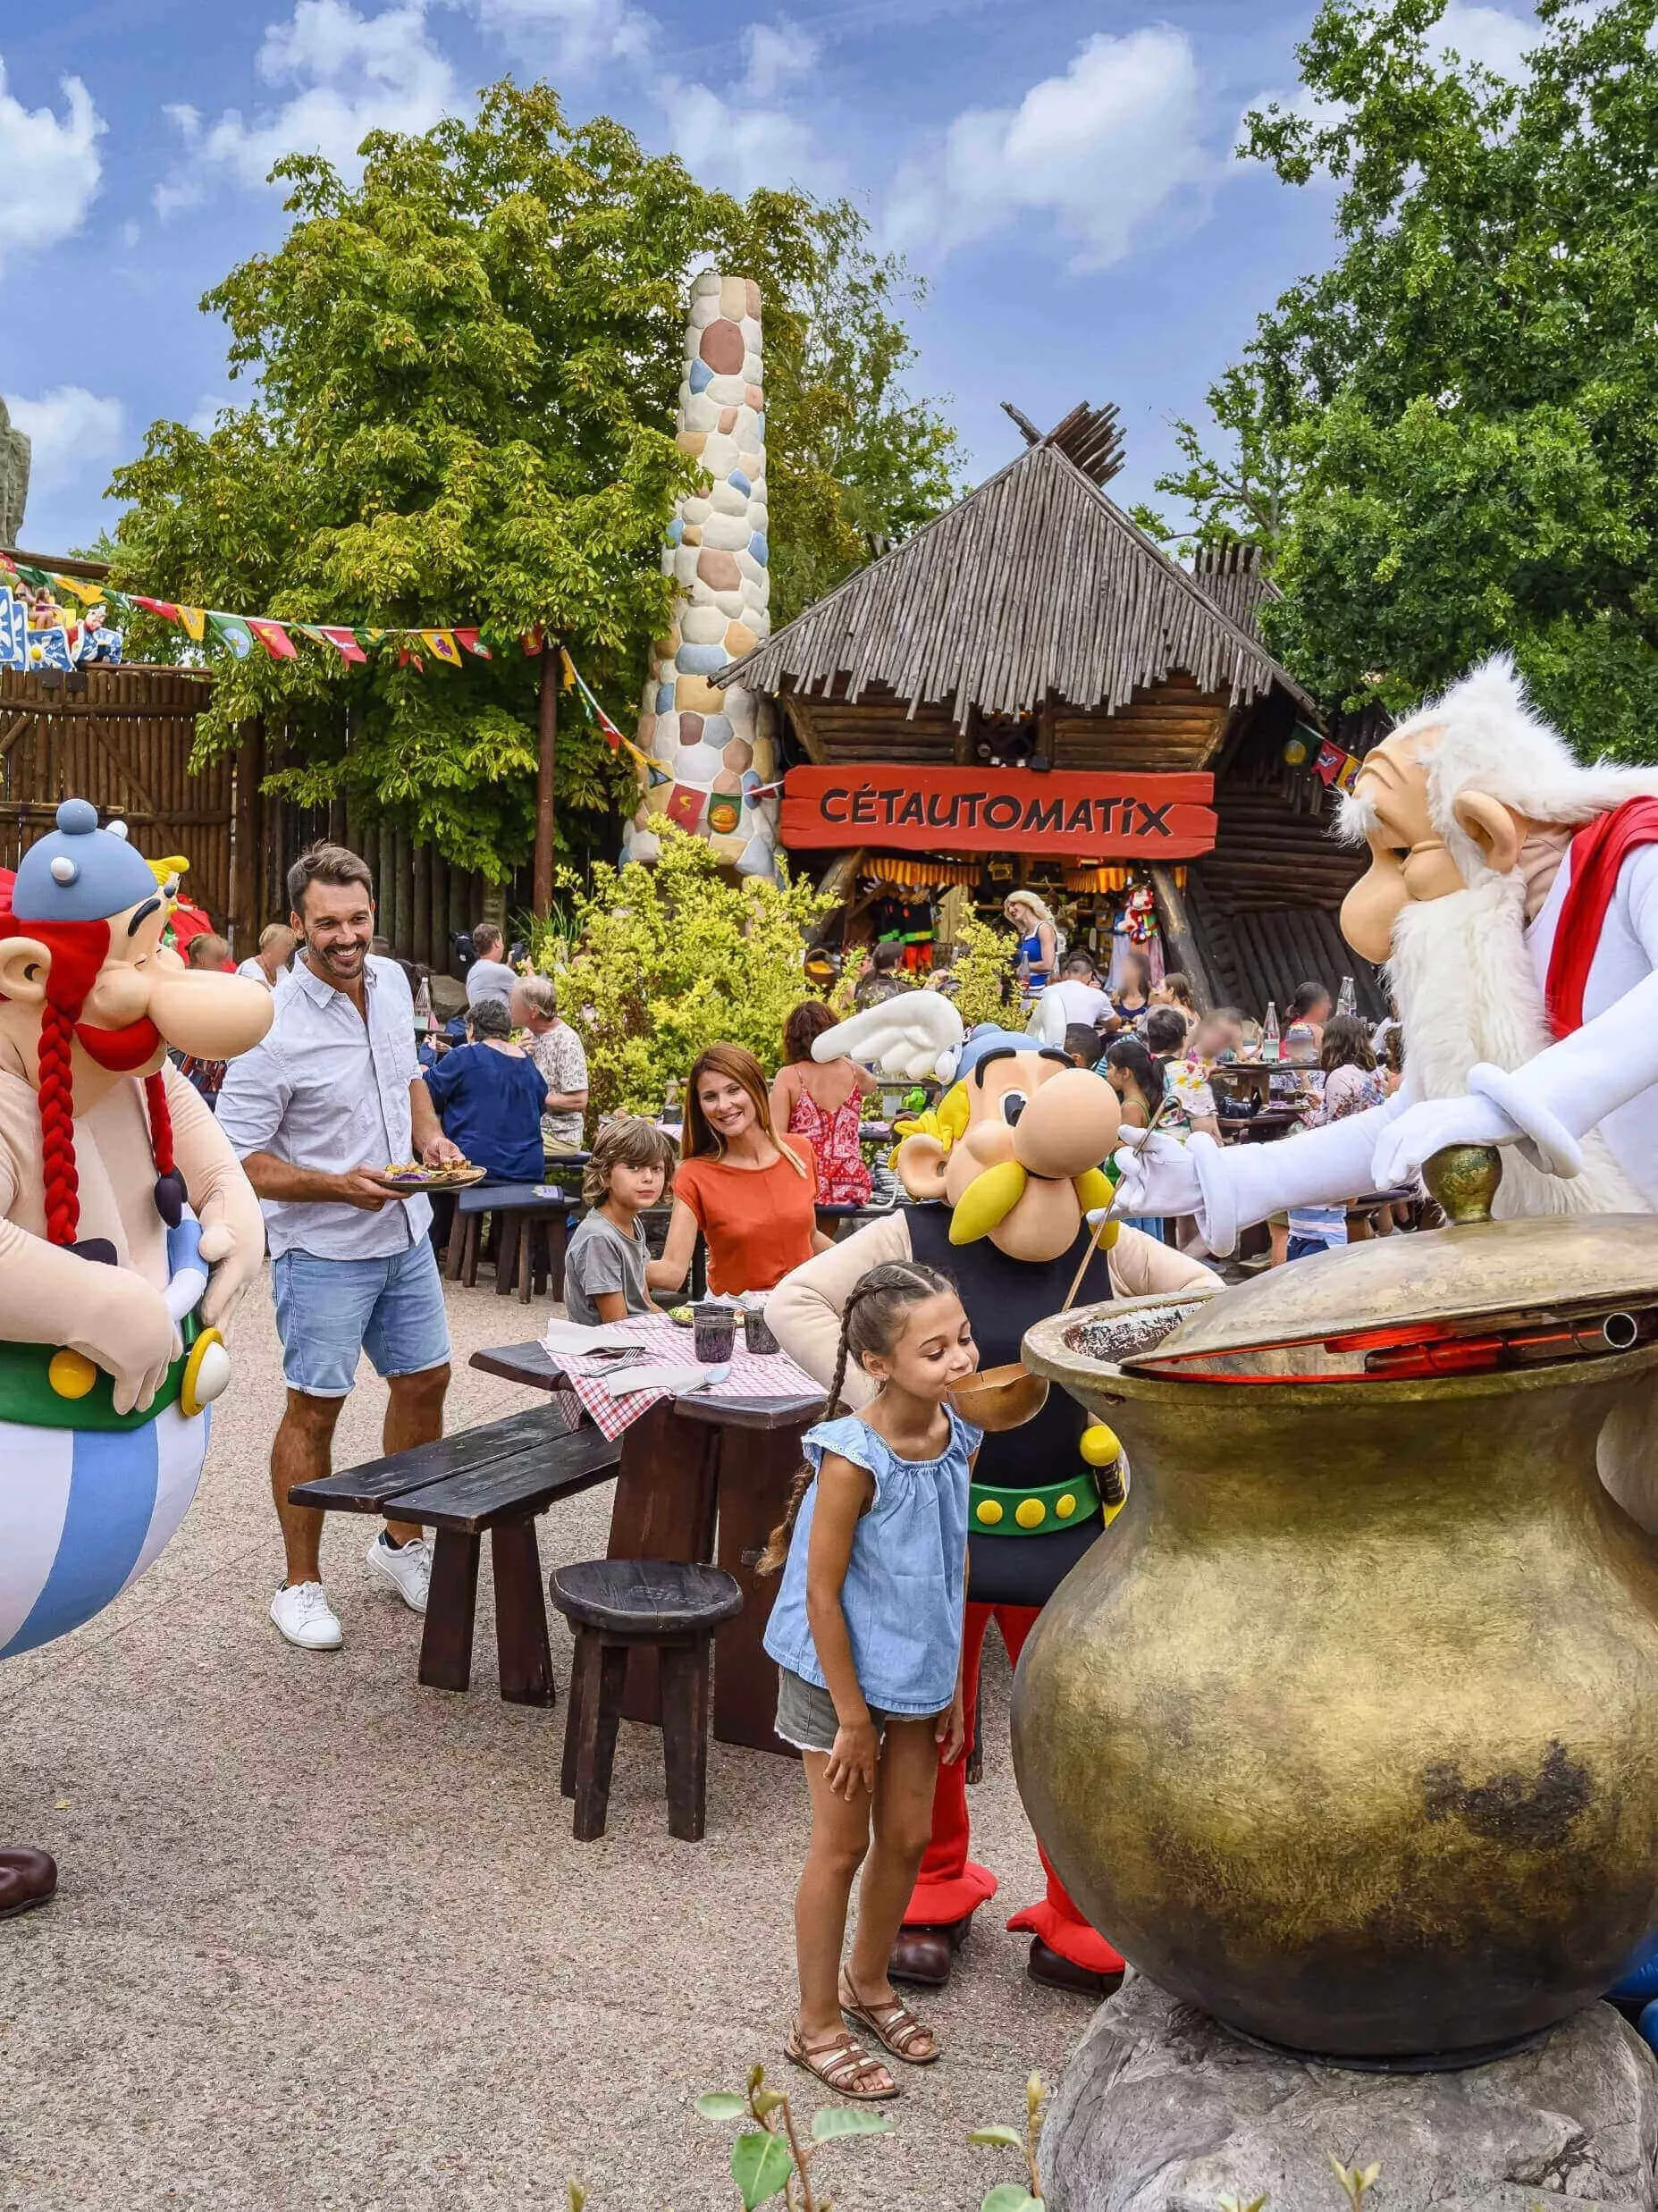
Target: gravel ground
[323, 1940]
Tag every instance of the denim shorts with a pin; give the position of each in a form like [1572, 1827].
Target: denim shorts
[807, 1718]
[329, 1311]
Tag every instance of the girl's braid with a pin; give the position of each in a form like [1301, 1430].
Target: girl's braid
[777, 1544]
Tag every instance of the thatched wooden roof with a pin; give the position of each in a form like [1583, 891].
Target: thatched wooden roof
[1034, 585]
[1234, 579]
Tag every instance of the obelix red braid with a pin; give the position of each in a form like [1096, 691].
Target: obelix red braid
[78, 949]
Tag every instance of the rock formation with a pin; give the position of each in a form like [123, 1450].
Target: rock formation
[14, 454]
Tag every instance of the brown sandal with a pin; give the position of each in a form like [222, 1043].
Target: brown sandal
[840, 2067]
[894, 2025]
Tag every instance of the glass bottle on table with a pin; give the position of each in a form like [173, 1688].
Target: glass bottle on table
[1348, 1002]
[1272, 1046]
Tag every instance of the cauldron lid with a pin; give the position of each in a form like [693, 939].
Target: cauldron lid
[1479, 1270]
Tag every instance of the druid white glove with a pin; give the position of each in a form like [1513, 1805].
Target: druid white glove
[911, 1037]
[1230, 1188]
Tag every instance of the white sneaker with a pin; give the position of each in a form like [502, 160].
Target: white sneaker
[408, 1569]
[303, 1614]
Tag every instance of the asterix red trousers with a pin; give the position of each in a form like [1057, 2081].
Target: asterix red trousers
[950, 1886]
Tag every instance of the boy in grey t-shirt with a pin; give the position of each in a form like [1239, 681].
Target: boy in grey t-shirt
[607, 1267]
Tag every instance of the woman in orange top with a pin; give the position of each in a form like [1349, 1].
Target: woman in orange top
[750, 1193]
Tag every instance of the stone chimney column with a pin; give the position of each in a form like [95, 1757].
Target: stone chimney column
[717, 745]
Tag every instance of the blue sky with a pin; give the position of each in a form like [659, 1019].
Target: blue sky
[1061, 173]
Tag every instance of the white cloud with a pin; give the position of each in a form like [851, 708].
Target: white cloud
[737, 145]
[1485, 35]
[350, 75]
[49, 168]
[1099, 151]
[72, 430]
[573, 35]
[775, 55]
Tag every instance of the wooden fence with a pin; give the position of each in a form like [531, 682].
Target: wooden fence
[122, 737]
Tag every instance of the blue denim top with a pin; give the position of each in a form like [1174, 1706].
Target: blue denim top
[904, 1581]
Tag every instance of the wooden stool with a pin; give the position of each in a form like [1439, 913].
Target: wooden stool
[612, 1605]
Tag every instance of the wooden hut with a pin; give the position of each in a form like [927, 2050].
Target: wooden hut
[1034, 645]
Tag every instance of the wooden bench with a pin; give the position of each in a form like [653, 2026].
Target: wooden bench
[494, 1479]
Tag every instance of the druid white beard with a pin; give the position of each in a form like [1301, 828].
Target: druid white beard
[1462, 978]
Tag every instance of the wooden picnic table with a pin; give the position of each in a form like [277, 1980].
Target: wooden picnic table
[703, 1477]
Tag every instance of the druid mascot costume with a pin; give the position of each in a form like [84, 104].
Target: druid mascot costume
[128, 1233]
[1003, 1181]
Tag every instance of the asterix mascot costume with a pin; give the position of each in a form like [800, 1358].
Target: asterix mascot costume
[1001, 1190]
[118, 1194]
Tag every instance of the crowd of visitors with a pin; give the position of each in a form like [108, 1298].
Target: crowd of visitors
[356, 1074]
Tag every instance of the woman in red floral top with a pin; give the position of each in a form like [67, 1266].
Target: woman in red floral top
[823, 1102]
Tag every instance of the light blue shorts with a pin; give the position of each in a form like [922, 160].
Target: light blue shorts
[329, 1311]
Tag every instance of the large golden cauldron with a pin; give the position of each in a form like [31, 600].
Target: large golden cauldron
[1348, 1732]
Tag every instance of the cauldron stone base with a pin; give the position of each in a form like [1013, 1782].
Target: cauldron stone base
[1162, 2110]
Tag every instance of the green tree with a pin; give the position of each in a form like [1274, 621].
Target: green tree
[655, 965]
[466, 376]
[1242, 491]
[1466, 399]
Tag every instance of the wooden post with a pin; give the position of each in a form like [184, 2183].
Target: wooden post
[546, 813]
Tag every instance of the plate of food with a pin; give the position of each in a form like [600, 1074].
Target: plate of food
[412, 1175]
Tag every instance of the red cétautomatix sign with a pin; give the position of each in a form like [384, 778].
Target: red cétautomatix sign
[1075, 814]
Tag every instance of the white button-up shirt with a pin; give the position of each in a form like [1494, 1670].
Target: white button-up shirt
[326, 1089]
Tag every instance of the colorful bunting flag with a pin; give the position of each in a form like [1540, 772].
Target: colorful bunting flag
[273, 637]
[474, 644]
[406, 658]
[89, 595]
[193, 621]
[1328, 765]
[654, 776]
[343, 640]
[167, 612]
[443, 646]
[685, 805]
[229, 629]
[533, 642]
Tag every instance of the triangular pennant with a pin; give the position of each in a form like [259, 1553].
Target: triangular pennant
[229, 629]
[685, 805]
[167, 612]
[655, 776]
[368, 638]
[406, 658]
[273, 637]
[342, 639]
[89, 595]
[567, 670]
[474, 644]
[194, 622]
[443, 646]
[533, 642]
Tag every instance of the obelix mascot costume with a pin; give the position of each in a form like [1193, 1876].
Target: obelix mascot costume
[118, 1194]
[1002, 1194]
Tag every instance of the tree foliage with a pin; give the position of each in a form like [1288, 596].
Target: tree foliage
[1466, 399]
[466, 373]
[655, 965]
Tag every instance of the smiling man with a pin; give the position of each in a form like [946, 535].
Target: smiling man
[317, 1112]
